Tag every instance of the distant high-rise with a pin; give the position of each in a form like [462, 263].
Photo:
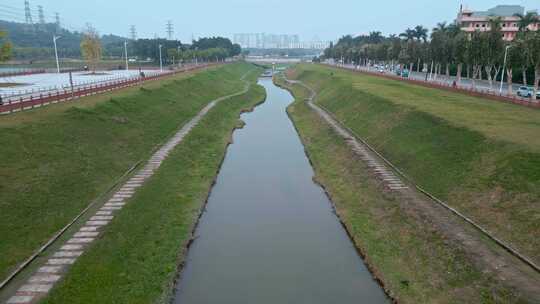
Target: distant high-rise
[272, 41]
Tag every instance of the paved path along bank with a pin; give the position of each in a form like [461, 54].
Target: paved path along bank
[486, 255]
[57, 266]
[269, 234]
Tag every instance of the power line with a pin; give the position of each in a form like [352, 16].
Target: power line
[170, 29]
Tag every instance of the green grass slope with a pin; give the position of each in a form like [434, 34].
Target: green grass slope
[481, 156]
[52, 167]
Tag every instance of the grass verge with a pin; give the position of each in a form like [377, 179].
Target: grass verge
[55, 162]
[414, 261]
[137, 257]
[480, 156]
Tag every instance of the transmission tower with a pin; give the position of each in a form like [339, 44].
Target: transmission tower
[27, 13]
[41, 14]
[170, 30]
[133, 32]
[57, 19]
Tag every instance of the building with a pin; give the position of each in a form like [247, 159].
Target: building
[273, 41]
[471, 21]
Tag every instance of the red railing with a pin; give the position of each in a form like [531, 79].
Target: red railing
[52, 97]
[458, 89]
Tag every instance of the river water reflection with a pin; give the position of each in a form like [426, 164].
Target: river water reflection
[269, 234]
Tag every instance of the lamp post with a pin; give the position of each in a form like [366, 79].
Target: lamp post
[56, 53]
[160, 60]
[504, 67]
[125, 53]
[178, 53]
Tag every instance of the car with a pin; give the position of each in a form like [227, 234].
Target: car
[398, 72]
[381, 70]
[405, 73]
[525, 91]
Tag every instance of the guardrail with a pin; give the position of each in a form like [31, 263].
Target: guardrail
[67, 94]
[458, 88]
[22, 73]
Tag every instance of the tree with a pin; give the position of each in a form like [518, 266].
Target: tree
[420, 33]
[375, 37]
[526, 20]
[5, 47]
[459, 52]
[516, 58]
[409, 34]
[494, 49]
[91, 48]
[532, 44]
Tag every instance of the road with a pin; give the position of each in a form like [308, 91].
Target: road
[50, 83]
[481, 85]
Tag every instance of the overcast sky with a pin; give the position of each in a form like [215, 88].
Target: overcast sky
[326, 20]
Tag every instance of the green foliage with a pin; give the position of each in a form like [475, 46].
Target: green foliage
[35, 41]
[91, 48]
[5, 47]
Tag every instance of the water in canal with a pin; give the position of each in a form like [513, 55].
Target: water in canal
[269, 234]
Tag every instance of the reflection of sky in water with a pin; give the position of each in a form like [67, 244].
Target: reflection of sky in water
[269, 234]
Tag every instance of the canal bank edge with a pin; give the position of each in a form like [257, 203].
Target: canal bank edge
[485, 288]
[359, 250]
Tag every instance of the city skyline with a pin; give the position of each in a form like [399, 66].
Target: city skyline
[225, 19]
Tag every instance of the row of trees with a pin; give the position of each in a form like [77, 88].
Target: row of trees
[448, 50]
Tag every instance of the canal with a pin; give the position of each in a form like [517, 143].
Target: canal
[269, 234]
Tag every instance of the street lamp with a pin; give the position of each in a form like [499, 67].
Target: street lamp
[178, 53]
[504, 67]
[160, 60]
[125, 53]
[56, 53]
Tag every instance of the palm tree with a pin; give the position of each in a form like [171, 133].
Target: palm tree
[526, 20]
[420, 33]
[441, 27]
[375, 37]
[409, 34]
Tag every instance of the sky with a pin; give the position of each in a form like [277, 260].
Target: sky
[311, 19]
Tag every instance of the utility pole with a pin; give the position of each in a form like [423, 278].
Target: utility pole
[41, 14]
[504, 67]
[27, 13]
[170, 29]
[125, 53]
[133, 32]
[160, 60]
[56, 53]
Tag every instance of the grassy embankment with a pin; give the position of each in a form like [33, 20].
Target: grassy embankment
[136, 260]
[56, 160]
[481, 156]
[415, 262]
